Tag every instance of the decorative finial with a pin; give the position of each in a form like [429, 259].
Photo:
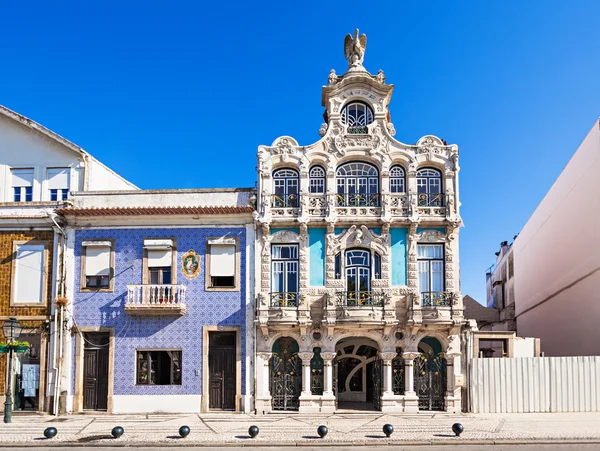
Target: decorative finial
[354, 50]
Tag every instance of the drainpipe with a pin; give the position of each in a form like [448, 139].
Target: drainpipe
[58, 324]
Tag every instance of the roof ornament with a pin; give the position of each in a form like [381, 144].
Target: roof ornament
[354, 51]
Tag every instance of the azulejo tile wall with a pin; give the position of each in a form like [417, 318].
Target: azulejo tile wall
[226, 308]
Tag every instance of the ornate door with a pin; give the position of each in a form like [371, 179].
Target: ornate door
[95, 371]
[286, 369]
[377, 382]
[221, 368]
[430, 381]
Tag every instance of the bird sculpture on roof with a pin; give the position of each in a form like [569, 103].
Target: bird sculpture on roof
[354, 49]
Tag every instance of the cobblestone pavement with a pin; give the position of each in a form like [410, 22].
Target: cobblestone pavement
[290, 429]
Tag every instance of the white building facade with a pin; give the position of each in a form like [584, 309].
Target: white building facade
[357, 264]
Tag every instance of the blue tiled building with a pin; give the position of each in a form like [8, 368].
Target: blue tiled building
[161, 301]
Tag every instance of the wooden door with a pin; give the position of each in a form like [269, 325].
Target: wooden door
[222, 371]
[95, 372]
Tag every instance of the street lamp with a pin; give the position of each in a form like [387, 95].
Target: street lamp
[12, 330]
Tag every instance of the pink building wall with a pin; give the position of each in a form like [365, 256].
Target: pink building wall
[557, 260]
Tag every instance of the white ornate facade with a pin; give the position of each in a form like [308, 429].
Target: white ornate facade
[358, 271]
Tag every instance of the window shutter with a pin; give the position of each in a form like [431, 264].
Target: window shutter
[29, 274]
[58, 178]
[97, 260]
[222, 260]
[22, 177]
[160, 258]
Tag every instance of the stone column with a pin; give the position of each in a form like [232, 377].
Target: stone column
[453, 398]
[411, 400]
[306, 358]
[263, 395]
[387, 358]
[328, 376]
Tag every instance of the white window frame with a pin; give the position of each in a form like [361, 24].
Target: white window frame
[111, 282]
[62, 193]
[44, 274]
[220, 241]
[426, 261]
[22, 188]
[159, 244]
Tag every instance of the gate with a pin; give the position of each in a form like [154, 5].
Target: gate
[286, 370]
[430, 381]
[377, 382]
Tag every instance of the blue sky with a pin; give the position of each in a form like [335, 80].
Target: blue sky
[180, 94]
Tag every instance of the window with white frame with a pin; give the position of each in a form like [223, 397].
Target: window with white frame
[222, 264]
[285, 188]
[397, 180]
[430, 264]
[96, 264]
[357, 116]
[284, 275]
[357, 185]
[159, 261]
[316, 178]
[29, 266]
[58, 183]
[429, 188]
[22, 185]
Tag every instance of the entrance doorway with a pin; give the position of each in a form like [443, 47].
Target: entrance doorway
[358, 374]
[95, 370]
[26, 375]
[221, 368]
[285, 369]
[430, 375]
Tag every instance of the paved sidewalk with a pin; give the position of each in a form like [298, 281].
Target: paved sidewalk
[294, 429]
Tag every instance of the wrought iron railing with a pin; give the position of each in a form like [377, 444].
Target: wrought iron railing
[359, 299]
[430, 200]
[157, 296]
[398, 375]
[285, 200]
[283, 299]
[358, 130]
[436, 299]
[358, 200]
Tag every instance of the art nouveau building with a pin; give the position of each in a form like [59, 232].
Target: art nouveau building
[358, 297]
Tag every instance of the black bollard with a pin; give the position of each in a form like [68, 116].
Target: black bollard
[457, 428]
[253, 431]
[184, 431]
[117, 431]
[50, 432]
[388, 429]
[322, 431]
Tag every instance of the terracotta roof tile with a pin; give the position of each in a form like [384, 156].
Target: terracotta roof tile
[136, 211]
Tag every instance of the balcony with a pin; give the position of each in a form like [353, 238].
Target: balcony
[155, 300]
[431, 204]
[359, 307]
[398, 204]
[282, 309]
[437, 299]
[436, 307]
[285, 205]
[358, 204]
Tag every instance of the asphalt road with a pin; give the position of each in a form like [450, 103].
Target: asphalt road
[464, 447]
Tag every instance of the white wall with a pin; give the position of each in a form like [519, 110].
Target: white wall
[102, 178]
[557, 260]
[21, 147]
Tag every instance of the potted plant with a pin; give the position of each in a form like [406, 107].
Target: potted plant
[19, 346]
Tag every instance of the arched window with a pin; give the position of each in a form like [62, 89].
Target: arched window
[397, 180]
[285, 188]
[357, 115]
[429, 188]
[357, 185]
[316, 178]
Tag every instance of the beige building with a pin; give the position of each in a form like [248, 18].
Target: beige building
[557, 260]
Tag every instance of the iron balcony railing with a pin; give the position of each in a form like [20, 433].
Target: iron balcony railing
[436, 299]
[283, 299]
[430, 199]
[157, 296]
[359, 299]
[358, 130]
[358, 200]
[285, 200]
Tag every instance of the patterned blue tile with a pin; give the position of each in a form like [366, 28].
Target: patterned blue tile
[131, 333]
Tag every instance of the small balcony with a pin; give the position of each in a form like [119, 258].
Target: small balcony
[359, 307]
[285, 205]
[281, 309]
[156, 300]
[431, 204]
[437, 299]
[359, 299]
[436, 307]
[358, 204]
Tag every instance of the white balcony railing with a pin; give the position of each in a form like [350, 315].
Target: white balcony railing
[155, 299]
